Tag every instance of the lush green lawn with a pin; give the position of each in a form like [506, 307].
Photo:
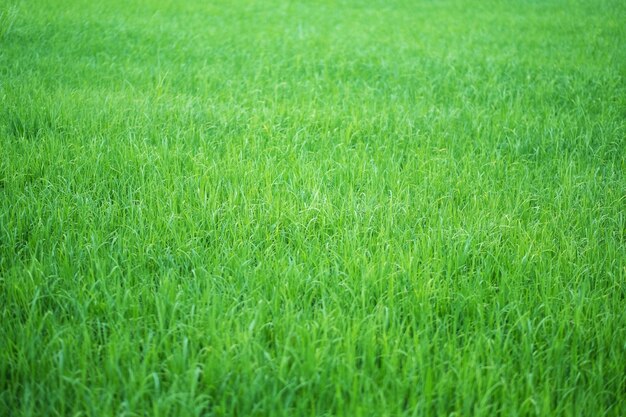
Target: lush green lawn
[351, 208]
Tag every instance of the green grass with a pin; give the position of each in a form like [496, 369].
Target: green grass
[351, 208]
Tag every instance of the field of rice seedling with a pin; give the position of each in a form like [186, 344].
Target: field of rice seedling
[313, 208]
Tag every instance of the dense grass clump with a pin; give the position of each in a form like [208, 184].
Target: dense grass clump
[308, 208]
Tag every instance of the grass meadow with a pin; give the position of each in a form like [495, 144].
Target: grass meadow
[312, 208]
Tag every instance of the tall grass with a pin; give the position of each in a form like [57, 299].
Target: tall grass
[404, 208]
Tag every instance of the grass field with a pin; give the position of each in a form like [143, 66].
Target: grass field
[316, 208]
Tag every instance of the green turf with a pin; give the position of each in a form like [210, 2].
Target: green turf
[350, 208]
